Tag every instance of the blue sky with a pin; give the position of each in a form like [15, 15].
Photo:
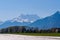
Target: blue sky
[13, 8]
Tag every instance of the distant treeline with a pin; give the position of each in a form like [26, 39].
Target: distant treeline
[25, 29]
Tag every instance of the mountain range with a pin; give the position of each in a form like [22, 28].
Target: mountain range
[52, 21]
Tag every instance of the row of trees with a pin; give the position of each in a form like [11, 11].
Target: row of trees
[24, 29]
[17, 29]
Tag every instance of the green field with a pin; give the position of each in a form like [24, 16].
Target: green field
[39, 34]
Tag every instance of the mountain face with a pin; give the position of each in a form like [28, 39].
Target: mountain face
[52, 21]
[23, 20]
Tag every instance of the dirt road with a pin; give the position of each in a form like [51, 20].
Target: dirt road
[24, 37]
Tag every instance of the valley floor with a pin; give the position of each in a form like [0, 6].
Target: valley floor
[25, 37]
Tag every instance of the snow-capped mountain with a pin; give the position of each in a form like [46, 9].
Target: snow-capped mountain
[22, 20]
[26, 18]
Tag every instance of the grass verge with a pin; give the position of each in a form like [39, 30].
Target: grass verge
[39, 34]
